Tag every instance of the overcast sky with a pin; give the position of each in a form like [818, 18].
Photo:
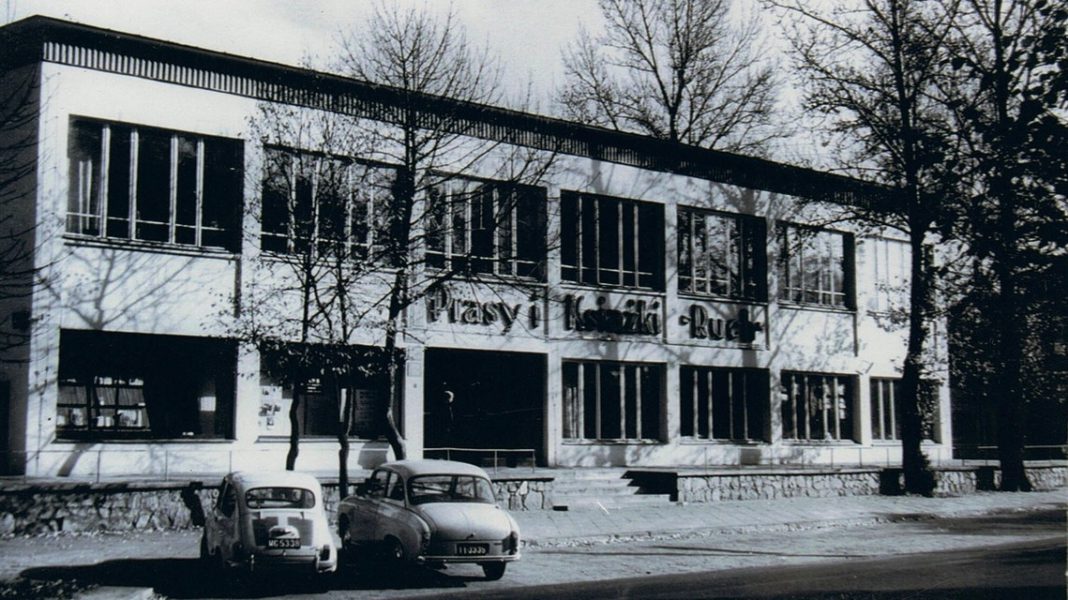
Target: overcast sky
[526, 35]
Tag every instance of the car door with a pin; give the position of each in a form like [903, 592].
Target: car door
[391, 520]
[365, 508]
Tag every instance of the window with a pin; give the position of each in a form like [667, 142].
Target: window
[114, 385]
[815, 266]
[279, 497]
[885, 395]
[723, 404]
[611, 401]
[326, 206]
[610, 241]
[816, 406]
[722, 255]
[324, 393]
[487, 227]
[154, 185]
[889, 264]
[425, 489]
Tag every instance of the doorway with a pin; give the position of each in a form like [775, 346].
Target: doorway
[482, 400]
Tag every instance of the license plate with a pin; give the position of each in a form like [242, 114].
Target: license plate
[283, 543]
[472, 549]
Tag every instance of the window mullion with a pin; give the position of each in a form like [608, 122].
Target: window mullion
[313, 248]
[709, 379]
[172, 188]
[105, 166]
[135, 151]
[639, 373]
[696, 402]
[350, 195]
[637, 253]
[597, 400]
[837, 410]
[513, 233]
[597, 241]
[730, 404]
[893, 409]
[622, 401]
[619, 246]
[198, 233]
[580, 409]
[292, 177]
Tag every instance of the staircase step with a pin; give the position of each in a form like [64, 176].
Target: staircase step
[591, 487]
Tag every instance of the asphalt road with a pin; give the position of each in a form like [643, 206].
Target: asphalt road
[1008, 555]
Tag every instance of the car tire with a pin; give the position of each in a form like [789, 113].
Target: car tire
[494, 570]
[394, 550]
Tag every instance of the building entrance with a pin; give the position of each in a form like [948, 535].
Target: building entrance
[484, 400]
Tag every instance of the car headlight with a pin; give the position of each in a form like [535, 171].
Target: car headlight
[510, 544]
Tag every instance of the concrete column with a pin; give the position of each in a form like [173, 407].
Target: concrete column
[862, 413]
[248, 395]
[554, 393]
[670, 429]
[413, 403]
[554, 410]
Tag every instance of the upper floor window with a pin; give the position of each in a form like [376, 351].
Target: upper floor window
[325, 205]
[815, 266]
[888, 262]
[722, 255]
[141, 183]
[487, 227]
[611, 241]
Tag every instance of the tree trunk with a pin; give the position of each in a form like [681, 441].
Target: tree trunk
[344, 428]
[294, 428]
[395, 370]
[918, 476]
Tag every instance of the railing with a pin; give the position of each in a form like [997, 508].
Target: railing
[474, 455]
[987, 455]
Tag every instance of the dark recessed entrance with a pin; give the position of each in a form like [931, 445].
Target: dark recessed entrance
[497, 402]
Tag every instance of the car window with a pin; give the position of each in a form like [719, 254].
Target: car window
[395, 488]
[376, 484]
[228, 501]
[279, 497]
[450, 488]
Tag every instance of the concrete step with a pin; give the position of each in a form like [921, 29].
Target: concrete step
[583, 473]
[582, 488]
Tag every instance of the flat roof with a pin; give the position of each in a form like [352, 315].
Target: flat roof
[45, 39]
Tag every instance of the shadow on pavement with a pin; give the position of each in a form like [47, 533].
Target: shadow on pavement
[190, 578]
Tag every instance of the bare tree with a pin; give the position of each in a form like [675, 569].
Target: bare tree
[874, 68]
[362, 206]
[681, 70]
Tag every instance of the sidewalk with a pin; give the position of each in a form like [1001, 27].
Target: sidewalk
[551, 528]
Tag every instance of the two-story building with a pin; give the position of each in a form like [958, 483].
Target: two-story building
[642, 303]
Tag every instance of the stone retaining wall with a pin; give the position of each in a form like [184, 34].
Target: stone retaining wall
[40, 508]
[767, 486]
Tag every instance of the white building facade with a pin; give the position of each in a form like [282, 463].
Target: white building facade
[665, 311]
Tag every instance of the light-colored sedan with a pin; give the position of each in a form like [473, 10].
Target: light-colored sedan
[431, 512]
[269, 521]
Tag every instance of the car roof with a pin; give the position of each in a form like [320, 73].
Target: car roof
[411, 468]
[252, 479]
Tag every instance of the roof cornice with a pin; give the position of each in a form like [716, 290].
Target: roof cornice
[45, 39]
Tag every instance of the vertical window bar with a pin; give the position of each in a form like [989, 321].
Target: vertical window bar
[597, 400]
[745, 407]
[580, 407]
[105, 166]
[694, 286]
[371, 192]
[580, 235]
[469, 225]
[893, 410]
[622, 401]
[198, 229]
[880, 399]
[172, 196]
[135, 151]
[696, 403]
[294, 166]
[622, 268]
[314, 241]
[837, 409]
[637, 269]
[639, 374]
[711, 433]
[449, 198]
[730, 404]
[597, 240]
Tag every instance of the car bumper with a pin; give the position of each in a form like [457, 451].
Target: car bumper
[291, 561]
[454, 559]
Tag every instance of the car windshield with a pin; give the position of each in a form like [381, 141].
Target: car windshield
[279, 497]
[450, 488]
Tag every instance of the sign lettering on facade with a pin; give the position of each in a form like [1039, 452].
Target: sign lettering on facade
[631, 317]
[703, 326]
[445, 305]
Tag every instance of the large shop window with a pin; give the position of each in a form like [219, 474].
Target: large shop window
[723, 404]
[133, 386]
[487, 228]
[611, 241]
[815, 266]
[722, 255]
[326, 206]
[611, 401]
[155, 185]
[323, 393]
[885, 411]
[816, 406]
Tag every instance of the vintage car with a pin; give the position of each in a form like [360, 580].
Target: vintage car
[431, 512]
[269, 520]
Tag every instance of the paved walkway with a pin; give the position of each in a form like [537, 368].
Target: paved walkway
[568, 527]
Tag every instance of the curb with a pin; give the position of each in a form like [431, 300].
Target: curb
[111, 592]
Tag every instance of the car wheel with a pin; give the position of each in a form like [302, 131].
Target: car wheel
[394, 550]
[494, 570]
